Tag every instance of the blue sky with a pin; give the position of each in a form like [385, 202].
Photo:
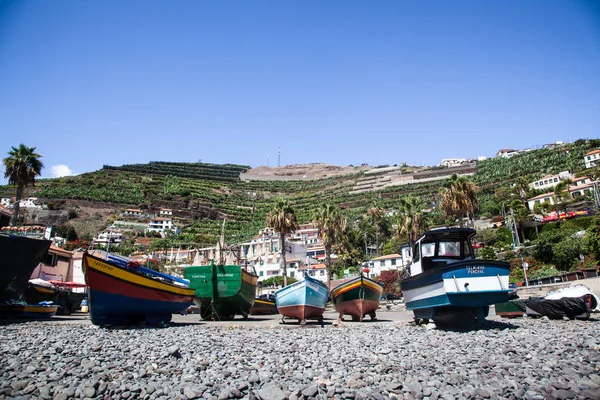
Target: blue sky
[344, 82]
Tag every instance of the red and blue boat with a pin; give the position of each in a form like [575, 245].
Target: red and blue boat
[122, 292]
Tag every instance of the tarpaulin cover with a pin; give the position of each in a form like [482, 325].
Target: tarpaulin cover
[557, 309]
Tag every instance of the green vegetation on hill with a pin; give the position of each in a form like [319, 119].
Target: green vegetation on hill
[204, 194]
[218, 172]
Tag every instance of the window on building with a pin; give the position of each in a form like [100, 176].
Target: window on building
[536, 184]
[50, 260]
[322, 272]
[393, 261]
[261, 273]
[382, 263]
[555, 179]
[292, 274]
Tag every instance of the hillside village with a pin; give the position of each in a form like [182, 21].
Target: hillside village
[178, 217]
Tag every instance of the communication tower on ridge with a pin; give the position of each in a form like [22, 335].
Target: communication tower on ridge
[279, 156]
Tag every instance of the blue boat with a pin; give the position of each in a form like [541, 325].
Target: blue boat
[446, 282]
[302, 300]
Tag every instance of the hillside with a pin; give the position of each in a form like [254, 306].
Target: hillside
[201, 195]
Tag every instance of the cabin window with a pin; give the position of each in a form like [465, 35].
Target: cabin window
[428, 249]
[417, 255]
[449, 249]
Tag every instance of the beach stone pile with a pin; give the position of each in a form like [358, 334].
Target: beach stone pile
[522, 359]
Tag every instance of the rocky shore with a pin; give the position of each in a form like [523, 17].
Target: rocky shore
[529, 359]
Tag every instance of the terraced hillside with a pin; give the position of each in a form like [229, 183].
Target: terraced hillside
[202, 194]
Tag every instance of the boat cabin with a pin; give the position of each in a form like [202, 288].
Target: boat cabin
[440, 247]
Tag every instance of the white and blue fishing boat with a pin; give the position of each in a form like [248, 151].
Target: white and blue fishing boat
[302, 300]
[447, 281]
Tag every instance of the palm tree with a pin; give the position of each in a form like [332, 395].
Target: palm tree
[521, 214]
[282, 219]
[411, 219]
[459, 198]
[332, 226]
[377, 216]
[22, 166]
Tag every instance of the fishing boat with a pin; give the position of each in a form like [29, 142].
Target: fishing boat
[446, 283]
[121, 292]
[69, 300]
[222, 291]
[357, 297]
[576, 301]
[302, 300]
[264, 305]
[19, 257]
[39, 290]
[59, 293]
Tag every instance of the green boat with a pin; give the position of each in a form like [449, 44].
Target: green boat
[222, 291]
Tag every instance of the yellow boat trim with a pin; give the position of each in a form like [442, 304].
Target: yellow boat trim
[344, 289]
[120, 273]
[44, 290]
[268, 303]
[34, 308]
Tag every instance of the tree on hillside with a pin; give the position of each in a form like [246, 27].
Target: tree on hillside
[562, 195]
[282, 219]
[378, 219]
[332, 226]
[411, 220]
[521, 214]
[22, 165]
[459, 198]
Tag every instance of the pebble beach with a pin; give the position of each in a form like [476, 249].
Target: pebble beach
[505, 359]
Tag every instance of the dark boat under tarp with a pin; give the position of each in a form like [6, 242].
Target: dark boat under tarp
[19, 256]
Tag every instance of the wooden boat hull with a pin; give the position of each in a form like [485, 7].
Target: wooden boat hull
[119, 296]
[302, 300]
[30, 311]
[20, 256]
[263, 307]
[222, 291]
[357, 297]
[463, 285]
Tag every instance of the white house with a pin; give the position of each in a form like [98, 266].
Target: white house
[385, 263]
[29, 203]
[317, 271]
[549, 181]
[161, 225]
[132, 212]
[591, 158]
[114, 237]
[542, 198]
[580, 187]
[390, 262]
[165, 212]
[5, 202]
[452, 162]
[507, 153]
